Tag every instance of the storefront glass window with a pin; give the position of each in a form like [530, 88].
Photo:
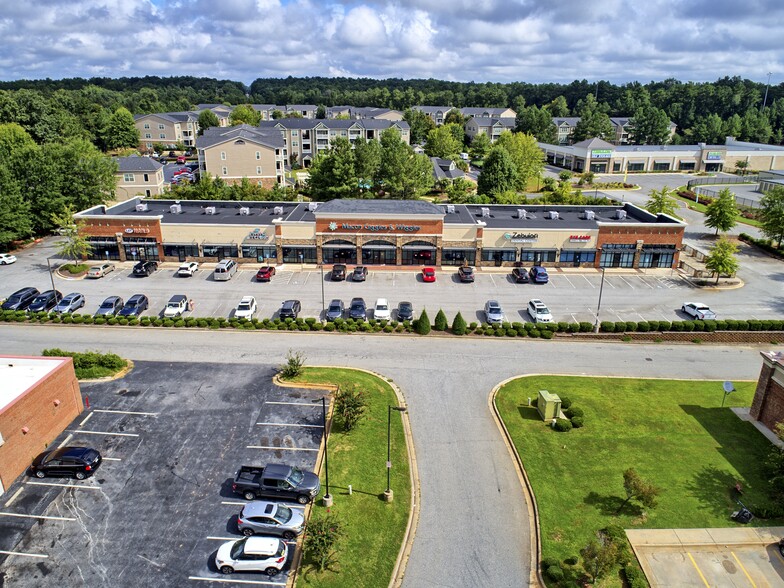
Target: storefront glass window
[499, 255]
[419, 253]
[103, 248]
[458, 256]
[657, 255]
[617, 255]
[538, 255]
[259, 253]
[577, 256]
[339, 251]
[663, 166]
[379, 253]
[181, 251]
[299, 255]
[633, 167]
[220, 251]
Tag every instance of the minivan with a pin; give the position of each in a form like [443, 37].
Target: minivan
[225, 269]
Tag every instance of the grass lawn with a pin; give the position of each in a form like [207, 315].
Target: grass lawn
[702, 208]
[374, 529]
[673, 432]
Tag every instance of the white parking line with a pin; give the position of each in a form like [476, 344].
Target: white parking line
[24, 554]
[627, 282]
[42, 517]
[260, 582]
[112, 459]
[289, 425]
[644, 282]
[317, 405]
[232, 503]
[223, 538]
[589, 281]
[77, 486]
[570, 282]
[492, 280]
[65, 441]
[105, 433]
[85, 419]
[15, 496]
[284, 448]
[609, 283]
[126, 412]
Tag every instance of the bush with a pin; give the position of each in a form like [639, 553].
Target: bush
[607, 327]
[643, 327]
[350, 404]
[586, 327]
[755, 325]
[566, 402]
[459, 325]
[572, 560]
[631, 327]
[563, 425]
[677, 326]
[479, 331]
[549, 562]
[99, 320]
[577, 422]
[563, 327]
[329, 327]
[555, 573]
[546, 334]
[533, 333]
[422, 326]
[440, 324]
[635, 577]
[573, 411]
[665, 326]
[688, 326]
[473, 325]
[510, 332]
[294, 364]
[742, 325]
[574, 327]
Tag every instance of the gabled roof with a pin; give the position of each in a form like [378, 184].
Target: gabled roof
[331, 123]
[134, 163]
[445, 169]
[484, 112]
[566, 120]
[433, 109]
[217, 135]
[175, 117]
[595, 143]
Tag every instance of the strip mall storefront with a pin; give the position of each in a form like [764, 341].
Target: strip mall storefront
[298, 233]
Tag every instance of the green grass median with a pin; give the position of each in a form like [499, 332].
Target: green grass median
[374, 530]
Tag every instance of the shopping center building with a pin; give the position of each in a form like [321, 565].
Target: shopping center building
[383, 233]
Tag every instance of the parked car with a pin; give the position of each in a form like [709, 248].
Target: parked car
[46, 300]
[20, 299]
[224, 270]
[181, 159]
[278, 481]
[172, 154]
[381, 310]
[698, 310]
[359, 274]
[405, 311]
[7, 259]
[465, 273]
[538, 275]
[270, 518]
[252, 554]
[189, 153]
[290, 309]
[338, 272]
[176, 305]
[494, 314]
[335, 310]
[145, 268]
[265, 273]
[187, 269]
[539, 312]
[428, 274]
[520, 275]
[136, 305]
[246, 308]
[78, 462]
[357, 310]
[99, 271]
[70, 303]
[110, 306]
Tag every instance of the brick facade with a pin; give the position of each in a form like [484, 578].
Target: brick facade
[45, 410]
[768, 404]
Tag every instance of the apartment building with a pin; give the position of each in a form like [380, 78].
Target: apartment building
[240, 152]
[362, 112]
[567, 124]
[437, 113]
[492, 127]
[168, 128]
[472, 112]
[138, 176]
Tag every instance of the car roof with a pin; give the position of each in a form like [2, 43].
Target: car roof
[24, 291]
[383, 301]
[335, 301]
[259, 507]
[136, 297]
[262, 545]
[178, 298]
[247, 299]
[357, 300]
[493, 303]
[289, 303]
[535, 301]
[71, 451]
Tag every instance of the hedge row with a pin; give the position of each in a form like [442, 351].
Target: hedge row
[689, 326]
[765, 244]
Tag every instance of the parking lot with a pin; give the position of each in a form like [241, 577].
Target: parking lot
[172, 436]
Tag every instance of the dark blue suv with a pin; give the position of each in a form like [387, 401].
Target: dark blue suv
[538, 275]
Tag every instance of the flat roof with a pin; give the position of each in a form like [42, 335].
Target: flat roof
[19, 374]
[195, 211]
[405, 207]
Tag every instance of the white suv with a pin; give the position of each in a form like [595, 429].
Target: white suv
[246, 308]
[539, 312]
[381, 311]
[252, 554]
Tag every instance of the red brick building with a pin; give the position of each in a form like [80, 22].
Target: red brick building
[39, 398]
[768, 404]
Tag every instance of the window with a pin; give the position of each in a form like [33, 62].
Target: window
[147, 193]
[223, 156]
[661, 166]
[128, 177]
[220, 251]
[258, 154]
[258, 170]
[162, 136]
[458, 256]
[686, 166]
[146, 177]
[259, 253]
[299, 255]
[161, 127]
[577, 256]
[499, 255]
[616, 166]
[633, 167]
[225, 170]
[295, 143]
[657, 255]
[538, 256]
[148, 135]
[617, 255]
[146, 125]
[294, 133]
[181, 251]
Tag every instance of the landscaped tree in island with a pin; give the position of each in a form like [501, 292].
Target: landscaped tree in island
[742, 165]
[599, 556]
[499, 173]
[721, 259]
[74, 245]
[121, 130]
[722, 212]
[638, 489]
[772, 214]
[207, 119]
[245, 114]
[661, 202]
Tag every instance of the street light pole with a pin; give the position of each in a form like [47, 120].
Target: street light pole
[599, 306]
[388, 495]
[765, 101]
[327, 496]
[51, 275]
[323, 305]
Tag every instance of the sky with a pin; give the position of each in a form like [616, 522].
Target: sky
[458, 40]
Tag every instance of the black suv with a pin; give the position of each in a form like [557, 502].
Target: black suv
[20, 299]
[338, 272]
[357, 310]
[79, 462]
[145, 268]
[465, 273]
[136, 305]
[45, 301]
[290, 309]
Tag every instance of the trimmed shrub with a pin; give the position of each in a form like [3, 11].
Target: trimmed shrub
[607, 327]
[531, 327]
[489, 331]
[563, 327]
[574, 327]
[635, 578]
[573, 411]
[533, 333]
[665, 326]
[479, 331]
[688, 326]
[459, 325]
[721, 325]
[440, 324]
[755, 325]
[644, 327]
[88, 320]
[99, 320]
[510, 332]
[56, 319]
[699, 325]
[549, 562]
[499, 332]
[133, 321]
[677, 326]
[577, 421]
[586, 327]
[742, 325]
[546, 334]
[552, 327]
[555, 573]
[329, 327]
[563, 425]
[473, 325]
[422, 326]
[566, 402]
[388, 328]
[709, 326]
[631, 327]
[572, 560]
[67, 319]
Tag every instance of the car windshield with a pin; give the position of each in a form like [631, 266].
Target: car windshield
[244, 306]
[382, 307]
[357, 306]
[468, 270]
[405, 306]
[108, 304]
[296, 476]
[493, 307]
[238, 548]
[283, 514]
[173, 304]
[95, 269]
[334, 307]
[542, 310]
[132, 303]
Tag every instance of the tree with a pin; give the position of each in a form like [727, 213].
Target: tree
[422, 326]
[459, 325]
[441, 142]
[277, 114]
[420, 123]
[599, 556]
[440, 322]
[661, 202]
[480, 146]
[404, 174]
[334, 174]
[74, 244]
[721, 259]
[772, 214]
[121, 130]
[245, 114]
[537, 122]
[459, 190]
[594, 121]
[722, 212]
[367, 159]
[650, 126]
[321, 112]
[207, 119]
[558, 107]
[295, 362]
[774, 466]
[499, 173]
[321, 541]
[455, 117]
[742, 165]
[638, 489]
[528, 159]
[15, 221]
[350, 404]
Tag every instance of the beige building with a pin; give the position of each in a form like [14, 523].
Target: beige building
[621, 124]
[473, 112]
[240, 152]
[168, 128]
[492, 127]
[138, 176]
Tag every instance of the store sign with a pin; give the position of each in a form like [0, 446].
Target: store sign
[713, 156]
[333, 226]
[601, 153]
[136, 230]
[579, 238]
[257, 234]
[521, 237]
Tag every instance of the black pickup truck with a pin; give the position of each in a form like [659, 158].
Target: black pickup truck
[276, 480]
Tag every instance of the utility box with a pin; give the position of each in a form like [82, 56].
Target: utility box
[548, 405]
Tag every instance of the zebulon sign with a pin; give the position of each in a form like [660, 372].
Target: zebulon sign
[521, 237]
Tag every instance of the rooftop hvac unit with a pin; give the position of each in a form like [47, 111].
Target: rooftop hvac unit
[620, 214]
[142, 207]
[244, 211]
[485, 212]
[553, 214]
[209, 210]
[175, 209]
[277, 210]
[311, 206]
[521, 213]
[590, 215]
[450, 209]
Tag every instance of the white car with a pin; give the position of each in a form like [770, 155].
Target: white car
[99, 271]
[494, 314]
[698, 310]
[188, 268]
[539, 312]
[176, 305]
[381, 310]
[246, 308]
[7, 259]
[252, 554]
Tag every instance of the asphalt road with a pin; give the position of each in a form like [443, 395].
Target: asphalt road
[473, 527]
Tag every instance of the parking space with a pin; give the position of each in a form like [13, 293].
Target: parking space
[172, 436]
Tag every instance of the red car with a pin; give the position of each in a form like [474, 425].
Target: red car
[265, 273]
[428, 274]
[181, 159]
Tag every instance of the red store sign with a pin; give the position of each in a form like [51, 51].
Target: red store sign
[579, 238]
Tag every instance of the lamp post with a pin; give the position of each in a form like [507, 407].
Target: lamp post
[51, 275]
[388, 494]
[327, 496]
[765, 100]
[728, 389]
[323, 305]
[599, 306]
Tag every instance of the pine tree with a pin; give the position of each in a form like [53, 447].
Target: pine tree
[423, 323]
[440, 324]
[721, 213]
[459, 325]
